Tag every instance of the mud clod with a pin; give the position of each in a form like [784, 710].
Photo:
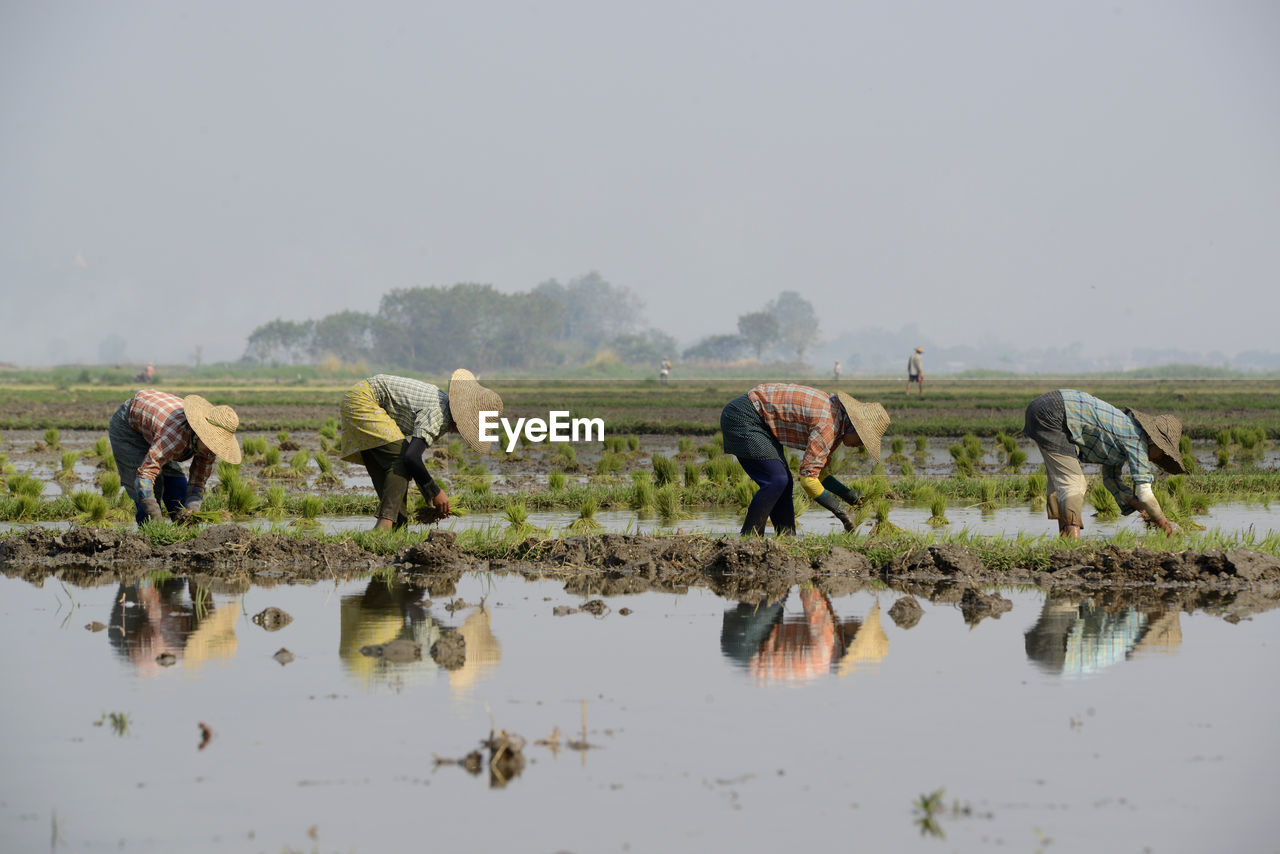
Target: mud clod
[906, 612]
[399, 651]
[450, 650]
[272, 619]
[977, 606]
[283, 656]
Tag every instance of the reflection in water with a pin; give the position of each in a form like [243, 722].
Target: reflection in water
[396, 611]
[1075, 638]
[774, 646]
[156, 624]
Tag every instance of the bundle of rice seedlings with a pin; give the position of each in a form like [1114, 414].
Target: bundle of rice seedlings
[298, 462]
[518, 524]
[5, 466]
[109, 485]
[898, 446]
[720, 469]
[308, 509]
[1037, 483]
[692, 475]
[68, 470]
[633, 443]
[20, 507]
[609, 462]
[1017, 458]
[275, 501]
[92, 507]
[242, 499]
[52, 439]
[666, 501]
[938, 511]
[922, 444]
[744, 490]
[586, 522]
[326, 476]
[1224, 457]
[964, 466]
[255, 446]
[664, 470]
[684, 447]
[642, 491]
[882, 524]
[556, 481]
[329, 429]
[904, 465]
[101, 447]
[1102, 500]
[987, 491]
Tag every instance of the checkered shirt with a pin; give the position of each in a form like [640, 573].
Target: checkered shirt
[1107, 436]
[160, 419]
[418, 408]
[804, 418]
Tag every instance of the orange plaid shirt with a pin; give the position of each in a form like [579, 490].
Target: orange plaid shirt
[161, 420]
[803, 418]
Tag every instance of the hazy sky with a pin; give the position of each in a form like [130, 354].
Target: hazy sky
[1028, 172]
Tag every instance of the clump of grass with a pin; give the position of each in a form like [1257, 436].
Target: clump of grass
[964, 466]
[275, 501]
[329, 429]
[107, 462]
[52, 439]
[1037, 485]
[664, 470]
[242, 499]
[633, 443]
[922, 444]
[298, 462]
[68, 470]
[904, 466]
[684, 447]
[987, 492]
[101, 447]
[25, 484]
[882, 524]
[938, 511]
[308, 509]
[586, 522]
[282, 436]
[19, 508]
[720, 469]
[609, 462]
[255, 446]
[666, 500]
[566, 456]
[556, 481]
[326, 476]
[271, 463]
[744, 490]
[692, 475]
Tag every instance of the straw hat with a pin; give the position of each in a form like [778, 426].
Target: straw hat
[467, 399]
[919, 349]
[215, 425]
[1165, 431]
[869, 421]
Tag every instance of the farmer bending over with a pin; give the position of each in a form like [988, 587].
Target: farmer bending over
[757, 424]
[388, 422]
[1072, 426]
[154, 431]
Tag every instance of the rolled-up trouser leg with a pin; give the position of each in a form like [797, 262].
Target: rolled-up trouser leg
[1067, 486]
[389, 481]
[774, 480]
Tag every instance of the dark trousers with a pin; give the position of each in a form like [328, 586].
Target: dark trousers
[773, 500]
[390, 481]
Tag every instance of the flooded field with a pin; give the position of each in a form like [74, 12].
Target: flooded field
[159, 714]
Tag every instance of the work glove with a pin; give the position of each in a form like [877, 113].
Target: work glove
[151, 507]
[192, 505]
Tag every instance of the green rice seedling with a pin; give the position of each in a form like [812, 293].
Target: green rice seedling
[1009, 443]
[94, 509]
[455, 448]
[586, 522]
[109, 485]
[684, 447]
[310, 506]
[664, 470]
[107, 462]
[1224, 438]
[567, 456]
[692, 475]
[25, 484]
[52, 439]
[227, 471]
[275, 501]
[719, 470]
[242, 499]
[973, 446]
[922, 444]
[744, 490]
[326, 476]
[793, 462]
[68, 469]
[1017, 459]
[282, 436]
[255, 446]
[899, 445]
[906, 468]
[961, 457]
[1037, 483]
[101, 447]
[329, 429]
[6, 467]
[1224, 457]
[666, 501]
[642, 491]
[21, 508]
[609, 462]
[633, 443]
[938, 511]
[1102, 500]
[298, 462]
[987, 491]
[882, 524]
[556, 481]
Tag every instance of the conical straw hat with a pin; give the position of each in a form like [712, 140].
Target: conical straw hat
[215, 425]
[869, 421]
[467, 399]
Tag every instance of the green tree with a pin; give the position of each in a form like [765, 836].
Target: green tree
[716, 348]
[797, 321]
[280, 340]
[760, 329]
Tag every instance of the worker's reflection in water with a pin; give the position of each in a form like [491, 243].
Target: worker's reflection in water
[774, 646]
[1075, 637]
[158, 623]
[395, 616]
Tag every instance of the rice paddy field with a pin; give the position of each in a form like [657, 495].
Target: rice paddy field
[588, 658]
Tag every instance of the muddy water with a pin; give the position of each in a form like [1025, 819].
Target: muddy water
[689, 724]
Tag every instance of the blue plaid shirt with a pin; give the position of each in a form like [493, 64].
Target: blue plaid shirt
[1107, 436]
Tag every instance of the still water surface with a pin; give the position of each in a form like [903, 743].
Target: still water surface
[711, 726]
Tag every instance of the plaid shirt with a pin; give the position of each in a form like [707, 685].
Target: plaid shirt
[803, 418]
[418, 408]
[161, 420]
[1107, 436]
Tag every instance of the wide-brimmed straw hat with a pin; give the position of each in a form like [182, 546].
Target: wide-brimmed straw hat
[467, 399]
[1166, 432]
[215, 425]
[869, 421]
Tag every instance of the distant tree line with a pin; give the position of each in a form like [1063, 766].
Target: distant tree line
[433, 329]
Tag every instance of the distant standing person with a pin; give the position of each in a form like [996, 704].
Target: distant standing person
[757, 425]
[146, 375]
[1072, 426]
[152, 432]
[388, 422]
[835, 371]
[664, 373]
[915, 370]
